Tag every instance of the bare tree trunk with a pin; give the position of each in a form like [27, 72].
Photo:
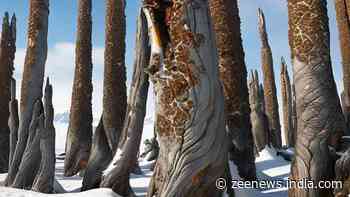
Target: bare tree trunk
[114, 97]
[31, 158]
[287, 105]
[233, 74]
[33, 76]
[271, 102]
[13, 120]
[118, 178]
[343, 20]
[260, 131]
[44, 180]
[342, 173]
[79, 136]
[189, 100]
[7, 56]
[294, 116]
[318, 106]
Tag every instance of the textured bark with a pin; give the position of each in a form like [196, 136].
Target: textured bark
[294, 115]
[79, 136]
[286, 105]
[271, 102]
[13, 120]
[259, 127]
[342, 173]
[233, 74]
[114, 95]
[318, 106]
[118, 178]
[44, 180]
[189, 100]
[31, 157]
[7, 55]
[343, 21]
[33, 76]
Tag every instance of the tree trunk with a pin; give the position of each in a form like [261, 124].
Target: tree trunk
[108, 133]
[79, 136]
[44, 180]
[271, 102]
[13, 121]
[343, 20]
[114, 97]
[318, 106]
[233, 74]
[294, 116]
[342, 173]
[260, 131]
[118, 178]
[33, 76]
[7, 56]
[31, 158]
[286, 105]
[189, 100]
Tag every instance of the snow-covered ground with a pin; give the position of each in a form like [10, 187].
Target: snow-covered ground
[269, 167]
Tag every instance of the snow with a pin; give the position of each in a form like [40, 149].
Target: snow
[269, 167]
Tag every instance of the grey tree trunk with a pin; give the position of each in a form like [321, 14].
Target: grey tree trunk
[343, 20]
[260, 131]
[233, 74]
[271, 102]
[294, 115]
[33, 77]
[31, 157]
[342, 173]
[7, 56]
[318, 106]
[13, 120]
[118, 178]
[44, 180]
[189, 100]
[79, 136]
[286, 105]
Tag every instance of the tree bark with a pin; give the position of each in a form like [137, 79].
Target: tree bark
[44, 180]
[233, 74]
[343, 21]
[294, 115]
[114, 97]
[31, 157]
[13, 121]
[189, 100]
[33, 76]
[286, 105]
[118, 178]
[260, 131]
[342, 173]
[271, 102]
[79, 136]
[7, 56]
[318, 106]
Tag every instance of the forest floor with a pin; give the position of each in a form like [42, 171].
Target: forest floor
[269, 168]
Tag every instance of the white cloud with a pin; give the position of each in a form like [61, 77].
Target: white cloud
[60, 67]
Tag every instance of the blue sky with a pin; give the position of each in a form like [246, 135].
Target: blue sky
[61, 38]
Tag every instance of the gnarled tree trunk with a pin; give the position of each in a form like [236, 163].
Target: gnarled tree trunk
[259, 127]
[286, 105]
[13, 120]
[33, 77]
[44, 180]
[342, 8]
[233, 74]
[318, 106]
[7, 56]
[79, 136]
[190, 122]
[271, 102]
[118, 178]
